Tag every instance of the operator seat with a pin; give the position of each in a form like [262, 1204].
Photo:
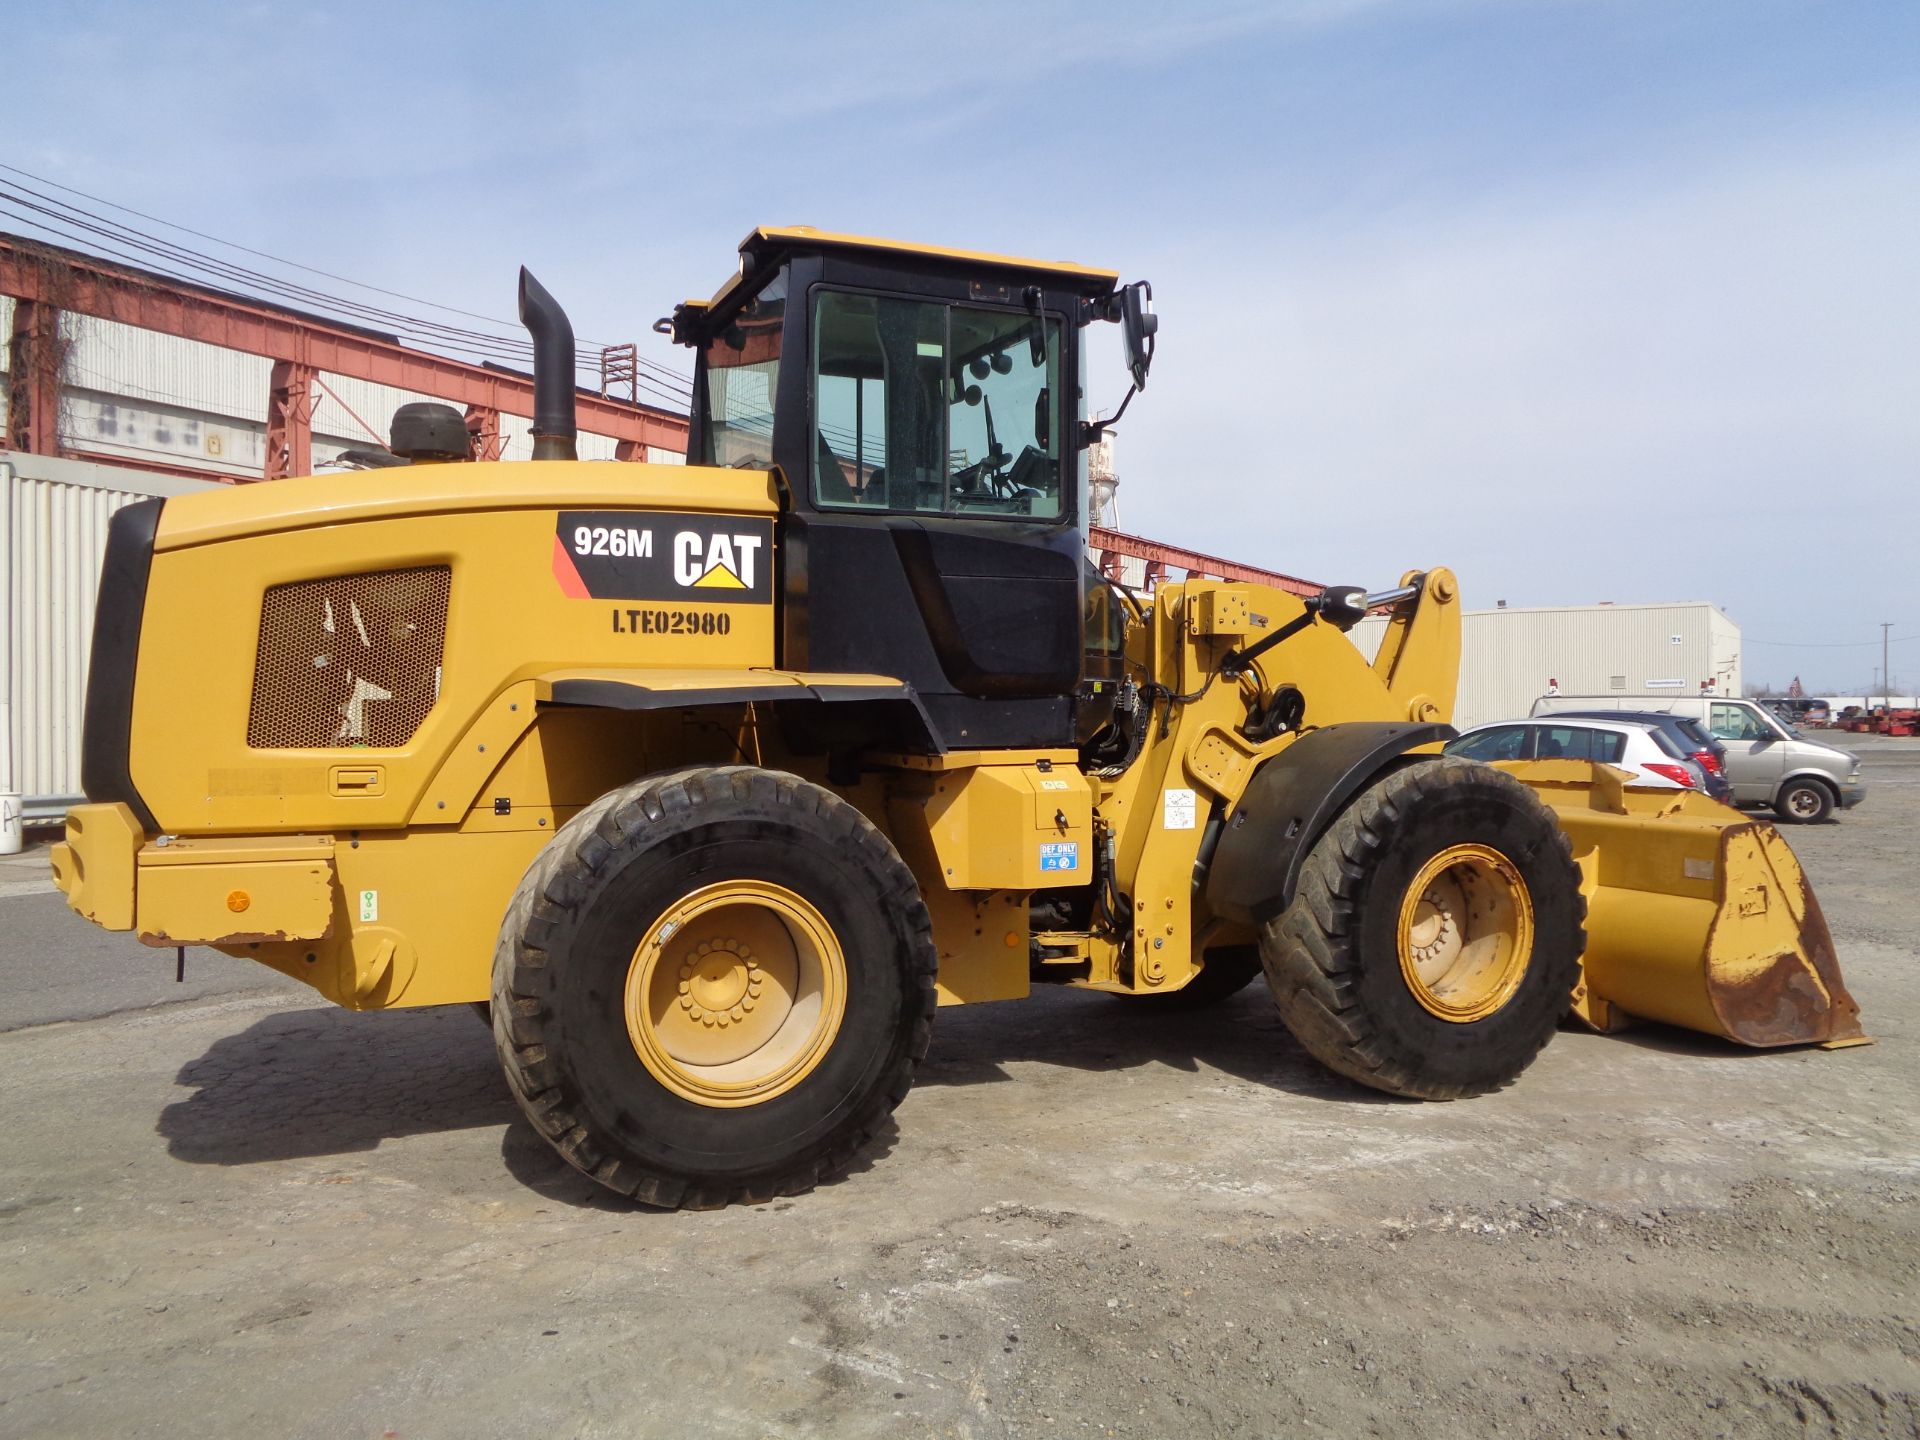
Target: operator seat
[834, 489]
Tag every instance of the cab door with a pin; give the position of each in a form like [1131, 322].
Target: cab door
[934, 534]
[1755, 756]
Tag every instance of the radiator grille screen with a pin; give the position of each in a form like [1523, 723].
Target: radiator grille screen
[350, 661]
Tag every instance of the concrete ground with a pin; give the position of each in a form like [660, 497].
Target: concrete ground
[251, 1213]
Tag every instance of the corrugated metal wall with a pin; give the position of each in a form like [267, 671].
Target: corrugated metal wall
[53, 533]
[1723, 639]
[1508, 657]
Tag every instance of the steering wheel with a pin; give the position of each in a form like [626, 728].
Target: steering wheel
[987, 473]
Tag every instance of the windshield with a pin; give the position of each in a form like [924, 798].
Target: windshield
[742, 368]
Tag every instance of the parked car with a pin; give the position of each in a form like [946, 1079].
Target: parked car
[1689, 735]
[1802, 710]
[1656, 761]
[1768, 762]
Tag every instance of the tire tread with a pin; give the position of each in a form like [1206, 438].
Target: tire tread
[1310, 949]
[551, 894]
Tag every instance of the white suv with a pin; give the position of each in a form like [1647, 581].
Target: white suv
[1656, 763]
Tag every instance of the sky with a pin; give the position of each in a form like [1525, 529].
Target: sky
[1586, 299]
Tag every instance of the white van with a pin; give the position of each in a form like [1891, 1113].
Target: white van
[1768, 762]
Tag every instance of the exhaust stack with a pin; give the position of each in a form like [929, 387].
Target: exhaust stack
[554, 425]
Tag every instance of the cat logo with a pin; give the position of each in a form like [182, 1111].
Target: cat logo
[653, 555]
[715, 562]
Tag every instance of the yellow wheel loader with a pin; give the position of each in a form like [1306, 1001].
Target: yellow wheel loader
[713, 781]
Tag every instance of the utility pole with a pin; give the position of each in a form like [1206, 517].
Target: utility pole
[1886, 675]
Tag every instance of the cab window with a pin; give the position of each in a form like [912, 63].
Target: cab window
[1737, 722]
[742, 368]
[929, 407]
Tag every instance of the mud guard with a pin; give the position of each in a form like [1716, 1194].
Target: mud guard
[1288, 805]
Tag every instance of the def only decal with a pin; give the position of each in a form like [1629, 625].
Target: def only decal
[697, 560]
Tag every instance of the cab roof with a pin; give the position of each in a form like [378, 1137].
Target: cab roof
[768, 243]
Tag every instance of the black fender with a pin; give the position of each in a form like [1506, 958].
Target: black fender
[816, 716]
[106, 737]
[1288, 805]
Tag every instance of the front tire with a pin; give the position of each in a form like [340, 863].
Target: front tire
[714, 985]
[1435, 937]
[1803, 802]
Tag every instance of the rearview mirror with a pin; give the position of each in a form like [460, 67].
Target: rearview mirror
[1132, 306]
[1140, 325]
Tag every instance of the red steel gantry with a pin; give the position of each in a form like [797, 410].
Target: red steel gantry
[45, 279]
[1114, 544]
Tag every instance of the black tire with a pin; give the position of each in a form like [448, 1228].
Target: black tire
[1333, 956]
[1802, 802]
[1227, 972]
[561, 970]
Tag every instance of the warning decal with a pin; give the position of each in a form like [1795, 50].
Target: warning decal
[647, 555]
[1060, 855]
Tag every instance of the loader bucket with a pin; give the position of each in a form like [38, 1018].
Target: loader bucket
[1697, 915]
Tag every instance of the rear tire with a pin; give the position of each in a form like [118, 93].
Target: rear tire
[1435, 937]
[1803, 802]
[713, 985]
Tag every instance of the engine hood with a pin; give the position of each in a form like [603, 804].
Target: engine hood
[208, 516]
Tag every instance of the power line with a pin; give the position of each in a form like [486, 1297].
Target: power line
[480, 348]
[663, 370]
[158, 259]
[193, 260]
[1829, 644]
[117, 238]
[262, 254]
[475, 354]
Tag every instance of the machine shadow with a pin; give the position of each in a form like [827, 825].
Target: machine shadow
[1696, 1044]
[299, 1084]
[1085, 1030]
[302, 1083]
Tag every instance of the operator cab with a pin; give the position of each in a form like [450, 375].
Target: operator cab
[924, 412]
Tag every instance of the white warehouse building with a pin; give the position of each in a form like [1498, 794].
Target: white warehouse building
[1511, 656]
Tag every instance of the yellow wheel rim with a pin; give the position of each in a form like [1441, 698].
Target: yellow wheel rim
[1466, 933]
[736, 993]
